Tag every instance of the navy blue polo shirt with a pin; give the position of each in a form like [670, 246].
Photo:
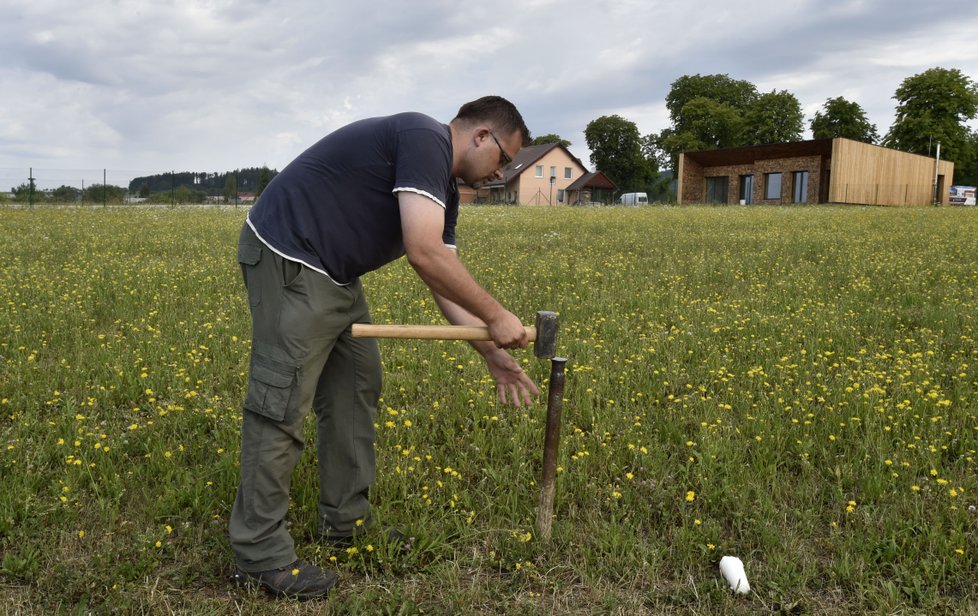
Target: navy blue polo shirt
[335, 208]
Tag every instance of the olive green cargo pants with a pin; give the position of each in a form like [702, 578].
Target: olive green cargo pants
[302, 356]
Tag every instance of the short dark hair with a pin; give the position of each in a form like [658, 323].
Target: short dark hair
[497, 111]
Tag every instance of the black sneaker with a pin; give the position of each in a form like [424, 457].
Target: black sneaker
[392, 536]
[300, 580]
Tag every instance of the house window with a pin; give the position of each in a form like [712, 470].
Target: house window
[716, 189]
[772, 186]
[539, 171]
[567, 173]
[746, 189]
[560, 195]
[799, 187]
[553, 172]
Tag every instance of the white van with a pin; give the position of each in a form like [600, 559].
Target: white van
[634, 199]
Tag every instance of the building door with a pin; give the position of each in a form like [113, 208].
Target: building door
[799, 189]
[746, 189]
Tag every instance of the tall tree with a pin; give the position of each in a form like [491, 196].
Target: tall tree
[966, 171]
[713, 123]
[551, 138]
[933, 107]
[231, 189]
[841, 118]
[264, 177]
[707, 113]
[735, 93]
[616, 150]
[774, 117]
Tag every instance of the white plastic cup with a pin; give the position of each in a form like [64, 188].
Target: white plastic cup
[732, 569]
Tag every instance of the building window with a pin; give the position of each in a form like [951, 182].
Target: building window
[567, 173]
[747, 189]
[799, 187]
[772, 186]
[560, 195]
[539, 171]
[553, 172]
[716, 189]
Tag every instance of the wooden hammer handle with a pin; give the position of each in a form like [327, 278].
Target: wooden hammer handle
[428, 332]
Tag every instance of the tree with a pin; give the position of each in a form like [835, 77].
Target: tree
[933, 107]
[616, 150]
[25, 192]
[734, 93]
[707, 113]
[774, 117]
[714, 124]
[107, 193]
[231, 189]
[966, 171]
[545, 139]
[264, 177]
[189, 195]
[841, 118]
[66, 194]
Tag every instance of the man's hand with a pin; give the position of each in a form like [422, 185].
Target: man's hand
[508, 332]
[513, 386]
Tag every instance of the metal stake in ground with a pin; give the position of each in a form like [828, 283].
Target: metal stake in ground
[551, 442]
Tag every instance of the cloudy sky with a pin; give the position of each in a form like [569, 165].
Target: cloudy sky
[148, 86]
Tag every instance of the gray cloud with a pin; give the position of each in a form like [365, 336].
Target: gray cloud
[154, 85]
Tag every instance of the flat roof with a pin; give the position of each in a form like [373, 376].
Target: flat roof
[750, 154]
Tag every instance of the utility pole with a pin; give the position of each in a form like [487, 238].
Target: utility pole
[30, 188]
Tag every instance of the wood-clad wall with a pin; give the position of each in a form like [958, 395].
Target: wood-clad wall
[864, 173]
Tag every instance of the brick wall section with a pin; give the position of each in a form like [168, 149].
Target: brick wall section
[694, 179]
[693, 182]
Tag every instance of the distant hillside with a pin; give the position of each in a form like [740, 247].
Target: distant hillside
[210, 183]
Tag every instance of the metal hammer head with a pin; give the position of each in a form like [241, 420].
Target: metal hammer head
[545, 345]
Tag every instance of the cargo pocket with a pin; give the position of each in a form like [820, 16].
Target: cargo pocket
[248, 256]
[270, 387]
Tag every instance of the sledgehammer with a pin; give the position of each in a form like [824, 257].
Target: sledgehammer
[544, 338]
[543, 335]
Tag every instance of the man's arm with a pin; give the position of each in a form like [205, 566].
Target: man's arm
[422, 222]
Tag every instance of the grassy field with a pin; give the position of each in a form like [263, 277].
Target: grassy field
[793, 386]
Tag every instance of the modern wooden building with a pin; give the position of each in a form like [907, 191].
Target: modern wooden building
[819, 171]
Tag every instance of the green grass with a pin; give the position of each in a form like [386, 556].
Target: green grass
[793, 386]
